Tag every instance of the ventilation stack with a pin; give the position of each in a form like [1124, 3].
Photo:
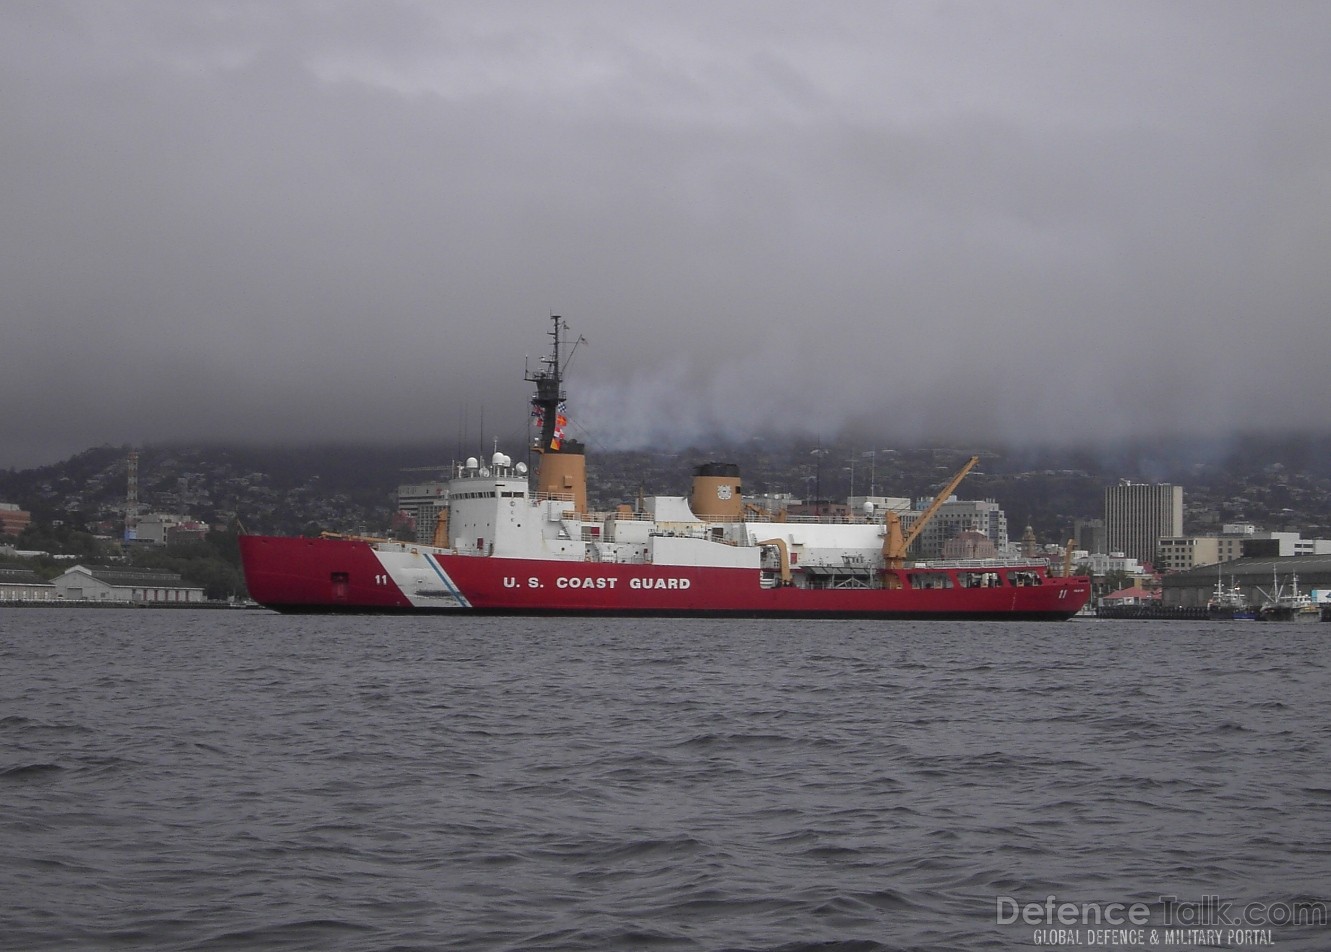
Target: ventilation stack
[563, 473]
[717, 495]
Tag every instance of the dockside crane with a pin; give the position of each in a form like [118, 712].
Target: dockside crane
[895, 542]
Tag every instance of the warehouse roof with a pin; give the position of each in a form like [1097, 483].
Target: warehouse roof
[14, 575]
[115, 575]
[1255, 569]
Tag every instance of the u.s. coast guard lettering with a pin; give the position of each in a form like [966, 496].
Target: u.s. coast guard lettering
[575, 581]
[603, 582]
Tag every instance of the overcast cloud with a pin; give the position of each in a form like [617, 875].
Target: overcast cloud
[964, 220]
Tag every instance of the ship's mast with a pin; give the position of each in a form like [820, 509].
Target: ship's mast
[563, 469]
[549, 391]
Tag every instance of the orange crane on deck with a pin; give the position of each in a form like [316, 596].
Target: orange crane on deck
[895, 542]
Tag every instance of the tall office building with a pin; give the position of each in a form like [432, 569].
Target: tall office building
[1138, 514]
[423, 502]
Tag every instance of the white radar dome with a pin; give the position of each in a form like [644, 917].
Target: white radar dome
[472, 463]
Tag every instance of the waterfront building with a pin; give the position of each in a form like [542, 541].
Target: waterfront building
[1100, 564]
[1138, 515]
[1090, 535]
[99, 583]
[957, 517]
[971, 544]
[1255, 578]
[24, 585]
[161, 528]
[1178, 554]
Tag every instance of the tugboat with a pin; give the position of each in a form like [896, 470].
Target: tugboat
[510, 544]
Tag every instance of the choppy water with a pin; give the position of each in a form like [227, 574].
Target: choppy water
[242, 780]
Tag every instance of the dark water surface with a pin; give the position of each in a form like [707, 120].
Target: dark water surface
[243, 780]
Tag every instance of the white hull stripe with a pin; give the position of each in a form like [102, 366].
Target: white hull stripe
[448, 582]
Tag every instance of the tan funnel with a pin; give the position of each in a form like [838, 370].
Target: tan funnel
[717, 493]
[564, 475]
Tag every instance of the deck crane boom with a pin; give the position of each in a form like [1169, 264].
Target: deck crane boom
[895, 543]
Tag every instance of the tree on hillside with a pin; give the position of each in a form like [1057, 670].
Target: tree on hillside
[207, 563]
[64, 540]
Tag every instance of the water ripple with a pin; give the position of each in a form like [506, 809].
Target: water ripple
[245, 781]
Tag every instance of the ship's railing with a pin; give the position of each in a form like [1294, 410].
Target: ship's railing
[801, 519]
[556, 497]
[758, 517]
[1001, 563]
[355, 537]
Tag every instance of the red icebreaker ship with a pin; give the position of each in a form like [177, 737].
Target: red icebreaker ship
[504, 545]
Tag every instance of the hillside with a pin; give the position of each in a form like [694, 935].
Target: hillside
[1281, 483]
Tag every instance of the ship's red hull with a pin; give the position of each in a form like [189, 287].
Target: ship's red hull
[346, 575]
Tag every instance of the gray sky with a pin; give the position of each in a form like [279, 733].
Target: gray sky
[961, 220]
